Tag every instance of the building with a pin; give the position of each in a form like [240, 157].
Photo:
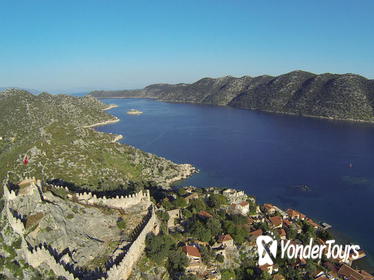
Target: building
[191, 196]
[226, 240]
[347, 272]
[204, 215]
[282, 234]
[295, 215]
[241, 208]
[254, 234]
[192, 253]
[269, 209]
[276, 222]
[173, 215]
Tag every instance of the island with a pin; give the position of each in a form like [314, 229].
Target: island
[134, 112]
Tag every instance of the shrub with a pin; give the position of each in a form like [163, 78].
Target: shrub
[33, 220]
[70, 216]
[121, 224]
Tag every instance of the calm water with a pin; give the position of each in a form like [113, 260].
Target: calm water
[267, 155]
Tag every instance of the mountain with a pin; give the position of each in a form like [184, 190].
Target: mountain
[55, 132]
[334, 96]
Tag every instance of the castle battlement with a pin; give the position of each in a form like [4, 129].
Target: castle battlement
[118, 202]
[120, 270]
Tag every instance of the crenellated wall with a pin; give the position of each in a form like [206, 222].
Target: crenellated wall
[39, 255]
[120, 270]
[123, 270]
[119, 202]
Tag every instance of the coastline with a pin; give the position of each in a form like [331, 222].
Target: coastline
[251, 109]
[111, 106]
[117, 138]
[102, 123]
[185, 170]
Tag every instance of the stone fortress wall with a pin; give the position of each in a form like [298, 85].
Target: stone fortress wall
[119, 270]
[119, 202]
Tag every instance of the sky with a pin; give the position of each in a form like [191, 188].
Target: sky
[81, 45]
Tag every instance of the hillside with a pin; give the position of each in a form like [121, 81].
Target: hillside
[345, 97]
[52, 131]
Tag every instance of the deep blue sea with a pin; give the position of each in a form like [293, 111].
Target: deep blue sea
[267, 155]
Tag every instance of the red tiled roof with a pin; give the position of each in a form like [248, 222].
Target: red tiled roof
[205, 214]
[293, 213]
[244, 203]
[282, 232]
[265, 267]
[223, 238]
[287, 222]
[351, 274]
[191, 251]
[276, 221]
[312, 223]
[269, 206]
[256, 232]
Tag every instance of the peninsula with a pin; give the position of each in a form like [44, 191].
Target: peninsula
[331, 96]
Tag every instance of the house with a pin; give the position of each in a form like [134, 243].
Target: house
[269, 209]
[241, 208]
[191, 196]
[254, 234]
[349, 273]
[204, 215]
[312, 223]
[270, 268]
[295, 215]
[276, 222]
[192, 253]
[226, 240]
[282, 233]
[173, 215]
[287, 222]
[266, 267]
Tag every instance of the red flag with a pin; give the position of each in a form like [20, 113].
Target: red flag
[25, 160]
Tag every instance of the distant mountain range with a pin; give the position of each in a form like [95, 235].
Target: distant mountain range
[333, 96]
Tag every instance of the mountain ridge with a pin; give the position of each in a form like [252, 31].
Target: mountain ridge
[333, 96]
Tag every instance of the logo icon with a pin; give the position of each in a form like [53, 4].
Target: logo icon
[266, 247]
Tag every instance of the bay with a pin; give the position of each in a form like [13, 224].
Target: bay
[270, 156]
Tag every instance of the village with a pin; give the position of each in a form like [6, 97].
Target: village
[183, 233]
[217, 230]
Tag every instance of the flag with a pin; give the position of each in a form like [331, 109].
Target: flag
[25, 160]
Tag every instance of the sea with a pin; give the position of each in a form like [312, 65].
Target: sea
[323, 168]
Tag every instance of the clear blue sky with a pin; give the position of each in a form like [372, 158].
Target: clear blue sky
[63, 45]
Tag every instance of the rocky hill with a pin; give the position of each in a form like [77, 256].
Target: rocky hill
[52, 130]
[345, 97]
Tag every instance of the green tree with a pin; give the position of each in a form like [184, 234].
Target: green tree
[177, 261]
[181, 192]
[200, 232]
[197, 205]
[163, 216]
[216, 200]
[214, 226]
[179, 202]
[158, 247]
[228, 274]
